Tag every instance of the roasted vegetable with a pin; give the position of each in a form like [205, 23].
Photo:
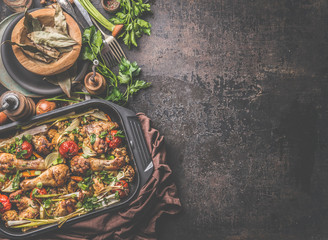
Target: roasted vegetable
[5, 204]
[24, 150]
[68, 149]
[3, 118]
[113, 140]
[44, 106]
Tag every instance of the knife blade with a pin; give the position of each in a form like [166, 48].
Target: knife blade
[66, 5]
[83, 12]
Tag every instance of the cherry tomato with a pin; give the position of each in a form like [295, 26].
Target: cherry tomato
[26, 146]
[38, 191]
[68, 149]
[122, 192]
[112, 140]
[5, 204]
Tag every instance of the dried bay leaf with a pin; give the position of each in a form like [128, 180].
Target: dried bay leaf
[52, 29]
[65, 49]
[64, 79]
[31, 24]
[51, 52]
[51, 39]
[33, 52]
[60, 20]
[38, 56]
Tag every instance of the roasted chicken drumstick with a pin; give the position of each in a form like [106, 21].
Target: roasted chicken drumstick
[107, 165]
[55, 176]
[9, 162]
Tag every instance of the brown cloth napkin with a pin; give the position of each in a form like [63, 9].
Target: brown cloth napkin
[138, 220]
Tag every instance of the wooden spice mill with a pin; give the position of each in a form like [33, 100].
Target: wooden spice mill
[95, 83]
[16, 106]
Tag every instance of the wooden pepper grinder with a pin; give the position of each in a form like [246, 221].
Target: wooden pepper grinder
[16, 106]
[94, 82]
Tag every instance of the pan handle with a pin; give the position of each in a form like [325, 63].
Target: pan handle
[138, 143]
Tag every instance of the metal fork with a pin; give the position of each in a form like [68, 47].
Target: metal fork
[112, 51]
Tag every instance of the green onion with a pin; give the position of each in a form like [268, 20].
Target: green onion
[97, 15]
[48, 195]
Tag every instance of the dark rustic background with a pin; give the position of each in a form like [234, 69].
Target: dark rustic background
[240, 91]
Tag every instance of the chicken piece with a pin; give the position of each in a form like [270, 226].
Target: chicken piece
[97, 186]
[72, 186]
[42, 145]
[61, 125]
[128, 173]
[30, 212]
[55, 176]
[9, 163]
[53, 135]
[100, 145]
[22, 202]
[107, 165]
[65, 207]
[121, 152]
[10, 215]
[87, 193]
[79, 165]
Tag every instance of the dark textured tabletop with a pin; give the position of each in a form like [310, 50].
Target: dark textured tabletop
[240, 91]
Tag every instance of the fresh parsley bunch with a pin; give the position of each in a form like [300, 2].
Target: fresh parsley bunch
[120, 87]
[127, 78]
[134, 26]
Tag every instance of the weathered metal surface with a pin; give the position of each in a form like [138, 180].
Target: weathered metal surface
[240, 91]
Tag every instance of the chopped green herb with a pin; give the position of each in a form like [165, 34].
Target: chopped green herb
[47, 204]
[117, 195]
[86, 183]
[18, 141]
[39, 185]
[79, 205]
[21, 153]
[61, 142]
[27, 137]
[37, 172]
[91, 203]
[111, 157]
[16, 181]
[35, 191]
[92, 138]
[85, 156]
[84, 119]
[17, 197]
[59, 160]
[106, 177]
[75, 130]
[33, 158]
[119, 134]
[103, 134]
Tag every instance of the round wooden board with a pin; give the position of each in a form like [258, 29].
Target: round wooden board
[18, 5]
[5, 78]
[66, 60]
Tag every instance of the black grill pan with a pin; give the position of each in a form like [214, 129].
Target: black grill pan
[141, 160]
